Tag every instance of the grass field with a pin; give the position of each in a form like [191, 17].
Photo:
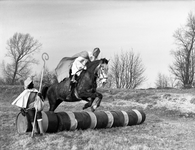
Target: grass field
[169, 124]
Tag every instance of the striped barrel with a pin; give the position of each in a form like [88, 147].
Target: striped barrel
[73, 120]
[102, 119]
[67, 121]
[83, 120]
[70, 121]
[23, 123]
[99, 119]
[118, 119]
[50, 122]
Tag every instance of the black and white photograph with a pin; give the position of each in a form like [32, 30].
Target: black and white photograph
[97, 74]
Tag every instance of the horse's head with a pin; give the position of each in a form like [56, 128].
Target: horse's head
[102, 70]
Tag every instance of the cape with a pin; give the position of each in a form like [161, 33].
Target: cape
[22, 100]
[62, 69]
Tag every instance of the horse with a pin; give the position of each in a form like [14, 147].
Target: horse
[85, 88]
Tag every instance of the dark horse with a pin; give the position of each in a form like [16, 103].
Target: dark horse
[85, 89]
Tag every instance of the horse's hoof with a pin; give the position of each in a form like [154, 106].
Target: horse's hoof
[93, 108]
[85, 107]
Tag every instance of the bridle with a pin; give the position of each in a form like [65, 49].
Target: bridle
[100, 73]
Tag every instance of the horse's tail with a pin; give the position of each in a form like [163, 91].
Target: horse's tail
[44, 91]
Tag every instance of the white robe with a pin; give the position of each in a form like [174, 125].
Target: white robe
[63, 68]
[22, 100]
[78, 65]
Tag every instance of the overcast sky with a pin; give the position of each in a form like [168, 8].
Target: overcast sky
[67, 27]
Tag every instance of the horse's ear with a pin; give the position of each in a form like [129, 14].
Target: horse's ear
[104, 60]
[108, 60]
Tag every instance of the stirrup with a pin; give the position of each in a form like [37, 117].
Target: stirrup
[73, 80]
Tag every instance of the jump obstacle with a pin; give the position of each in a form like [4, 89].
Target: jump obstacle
[70, 121]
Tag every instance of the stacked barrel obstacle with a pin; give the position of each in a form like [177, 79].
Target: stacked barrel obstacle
[70, 121]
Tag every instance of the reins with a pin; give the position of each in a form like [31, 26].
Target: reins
[103, 77]
[99, 69]
[92, 71]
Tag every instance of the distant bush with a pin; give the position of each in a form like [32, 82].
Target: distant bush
[2, 81]
[11, 89]
[192, 101]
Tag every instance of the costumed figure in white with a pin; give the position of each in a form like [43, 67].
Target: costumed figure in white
[27, 101]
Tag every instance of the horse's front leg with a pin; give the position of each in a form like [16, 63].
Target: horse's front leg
[87, 95]
[97, 102]
[90, 102]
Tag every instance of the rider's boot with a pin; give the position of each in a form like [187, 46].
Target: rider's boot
[73, 80]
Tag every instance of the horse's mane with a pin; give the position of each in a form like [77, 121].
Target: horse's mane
[91, 63]
[104, 61]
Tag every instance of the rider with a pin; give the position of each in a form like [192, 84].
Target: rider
[64, 66]
[72, 66]
[26, 101]
[79, 64]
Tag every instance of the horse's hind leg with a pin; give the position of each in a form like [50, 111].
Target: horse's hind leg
[54, 105]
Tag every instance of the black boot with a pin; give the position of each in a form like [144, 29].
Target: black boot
[71, 89]
[74, 78]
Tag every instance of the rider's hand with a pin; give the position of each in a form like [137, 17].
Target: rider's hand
[23, 112]
[40, 95]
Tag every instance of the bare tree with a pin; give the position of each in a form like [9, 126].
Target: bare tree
[173, 82]
[127, 70]
[183, 67]
[162, 81]
[21, 48]
[49, 77]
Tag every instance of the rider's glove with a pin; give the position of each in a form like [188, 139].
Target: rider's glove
[40, 95]
[23, 112]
